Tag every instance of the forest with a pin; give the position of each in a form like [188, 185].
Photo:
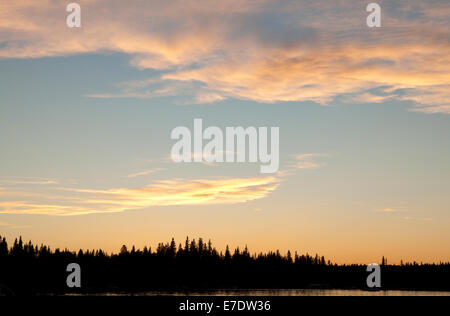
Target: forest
[195, 265]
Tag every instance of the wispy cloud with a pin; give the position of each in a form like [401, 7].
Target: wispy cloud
[387, 210]
[302, 162]
[66, 201]
[160, 193]
[28, 181]
[422, 219]
[145, 172]
[253, 50]
[307, 161]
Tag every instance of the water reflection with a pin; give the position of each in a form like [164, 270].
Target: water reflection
[303, 292]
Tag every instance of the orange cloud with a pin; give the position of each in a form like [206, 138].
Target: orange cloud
[254, 50]
[388, 210]
[162, 193]
[324, 73]
[305, 161]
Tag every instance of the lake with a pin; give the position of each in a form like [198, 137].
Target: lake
[289, 292]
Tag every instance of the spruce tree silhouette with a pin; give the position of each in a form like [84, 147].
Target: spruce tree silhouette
[26, 269]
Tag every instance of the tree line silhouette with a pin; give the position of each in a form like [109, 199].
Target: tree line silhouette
[26, 269]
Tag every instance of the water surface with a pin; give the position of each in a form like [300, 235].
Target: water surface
[290, 292]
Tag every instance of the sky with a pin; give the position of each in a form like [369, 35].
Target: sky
[86, 116]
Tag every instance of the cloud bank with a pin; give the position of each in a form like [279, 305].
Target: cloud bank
[264, 51]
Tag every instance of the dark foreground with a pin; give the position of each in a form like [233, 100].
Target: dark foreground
[196, 267]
